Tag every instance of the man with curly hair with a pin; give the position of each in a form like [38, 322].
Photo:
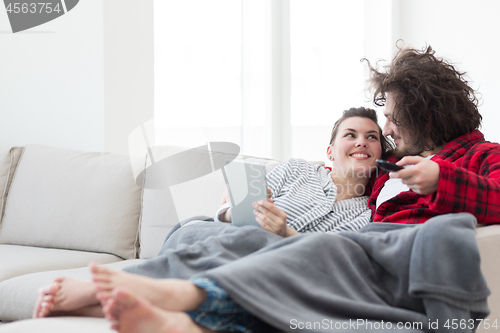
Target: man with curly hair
[432, 116]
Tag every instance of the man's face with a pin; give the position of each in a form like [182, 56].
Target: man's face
[400, 136]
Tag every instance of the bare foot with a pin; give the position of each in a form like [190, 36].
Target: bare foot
[132, 314]
[45, 298]
[64, 295]
[168, 294]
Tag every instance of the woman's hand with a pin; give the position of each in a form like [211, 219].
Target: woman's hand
[226, 216]
[422, 177]
[225, 196]
[271, 218]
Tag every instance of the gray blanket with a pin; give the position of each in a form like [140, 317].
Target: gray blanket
[387, 277]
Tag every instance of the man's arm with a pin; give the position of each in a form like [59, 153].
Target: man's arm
[470, 185]
[464, 190]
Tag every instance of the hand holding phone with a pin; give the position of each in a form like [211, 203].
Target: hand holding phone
[423, 175]
[388, 166]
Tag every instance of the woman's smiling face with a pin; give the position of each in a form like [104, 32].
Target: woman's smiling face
[356, 147]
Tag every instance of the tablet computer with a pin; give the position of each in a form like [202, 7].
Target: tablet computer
[246, 183]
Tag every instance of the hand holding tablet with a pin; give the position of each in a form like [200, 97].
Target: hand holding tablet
[246, 182]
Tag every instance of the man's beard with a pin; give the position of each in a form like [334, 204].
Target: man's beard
[407, 150]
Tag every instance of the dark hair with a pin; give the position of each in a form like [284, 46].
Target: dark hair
[432, 98]
[387, 146]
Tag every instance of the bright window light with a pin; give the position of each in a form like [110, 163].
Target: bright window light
[327, 42]
[197, 70]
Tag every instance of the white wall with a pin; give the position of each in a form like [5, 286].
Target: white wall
[82, 81]
[52, 82]
[128, 69]
[465, 32]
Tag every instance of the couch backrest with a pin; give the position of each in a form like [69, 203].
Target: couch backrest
[68, 199]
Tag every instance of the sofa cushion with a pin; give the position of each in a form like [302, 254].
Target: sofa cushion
[488, 240]
[18, 295]
[61, 198]
[59, 324]
[18, 260]
[8, 164]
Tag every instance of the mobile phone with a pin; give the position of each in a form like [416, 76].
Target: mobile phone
[246, 183]
[388, 166]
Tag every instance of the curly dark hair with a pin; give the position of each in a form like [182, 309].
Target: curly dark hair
[387, 145]
[432, 98]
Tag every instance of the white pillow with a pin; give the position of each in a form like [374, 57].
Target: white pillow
[67, 199]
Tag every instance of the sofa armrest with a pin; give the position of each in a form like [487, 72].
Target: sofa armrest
[488, 239]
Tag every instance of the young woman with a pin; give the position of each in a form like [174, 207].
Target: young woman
[301, 191]
[305, 198]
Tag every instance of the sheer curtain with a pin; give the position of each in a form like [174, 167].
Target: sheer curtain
[270, 76]
[197, 71]
[327, 43]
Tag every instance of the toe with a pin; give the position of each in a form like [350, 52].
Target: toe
[103, 296]
[124, 298]
[98, 269]
[53, 288]
[103, 286]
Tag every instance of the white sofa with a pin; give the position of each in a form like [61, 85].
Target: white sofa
[61, 209]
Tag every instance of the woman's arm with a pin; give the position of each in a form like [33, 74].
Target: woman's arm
[224, 212]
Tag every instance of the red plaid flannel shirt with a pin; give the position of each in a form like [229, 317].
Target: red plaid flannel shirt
[469, 181]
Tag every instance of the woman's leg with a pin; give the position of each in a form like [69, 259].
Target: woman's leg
[65, 295]
[168, 294]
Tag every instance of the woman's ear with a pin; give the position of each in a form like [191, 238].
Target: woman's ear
[329, 153]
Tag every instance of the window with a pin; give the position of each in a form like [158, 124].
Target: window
[197, 71]
[269, 75]
[327, 43]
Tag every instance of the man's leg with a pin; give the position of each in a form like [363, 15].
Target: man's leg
[168, 294]
[132, 314]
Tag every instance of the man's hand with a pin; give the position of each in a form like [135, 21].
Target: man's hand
[422, 177]
[271, 218]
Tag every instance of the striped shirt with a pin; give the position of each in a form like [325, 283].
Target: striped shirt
[307, 194]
